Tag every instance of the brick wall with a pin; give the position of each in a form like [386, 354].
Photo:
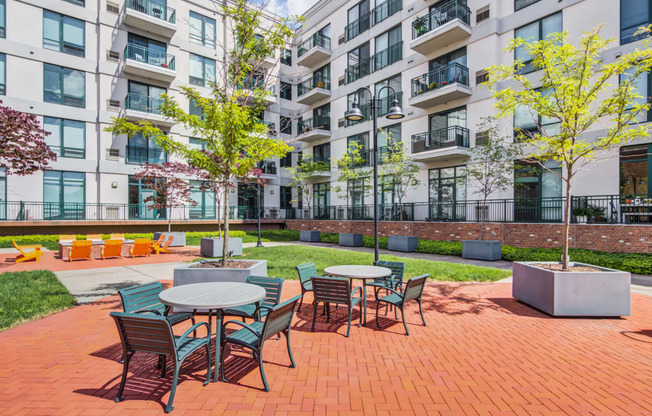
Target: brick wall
[627, 238]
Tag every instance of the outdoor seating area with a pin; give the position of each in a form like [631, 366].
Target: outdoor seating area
[94, 247]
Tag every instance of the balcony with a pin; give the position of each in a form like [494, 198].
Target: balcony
[358, 26]
[326, 163]
[313, 90]
[384, 104]
[444, 84]
[385, 10]
[444, 25]
[314, 50]
[375, 63]
[315, 128]
[443, 143]
[149, 63]
[138, 155]
[248, 85]
[141, 107]
[268, 168]
[271, 127]
[151, 16]
[368, 157]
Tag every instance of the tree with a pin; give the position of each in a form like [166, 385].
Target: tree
[303, 177]
[399, 170]
[491, 164]
[233, 139]
[23, 150]
[572, 93]
[353, 178]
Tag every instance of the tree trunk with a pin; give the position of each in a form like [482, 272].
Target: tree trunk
[219, 222]
[567, 214]
[170, 220]
[484, 204]
[225, 246]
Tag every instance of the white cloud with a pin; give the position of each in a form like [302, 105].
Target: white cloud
[289, 7]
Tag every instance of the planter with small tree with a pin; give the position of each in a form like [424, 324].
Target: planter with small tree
[303, 178]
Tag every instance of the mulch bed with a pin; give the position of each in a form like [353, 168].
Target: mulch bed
[231, 264]
[557, 268]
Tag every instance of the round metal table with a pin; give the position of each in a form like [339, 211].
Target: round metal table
[214, 297]
[363, 273]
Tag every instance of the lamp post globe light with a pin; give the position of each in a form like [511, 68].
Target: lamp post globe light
[355, 114]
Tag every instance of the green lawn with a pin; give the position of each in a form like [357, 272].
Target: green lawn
[282, 260]
[29, 295]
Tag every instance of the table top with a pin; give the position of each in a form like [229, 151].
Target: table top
[214, 295]
[95, 242]
[358, 272]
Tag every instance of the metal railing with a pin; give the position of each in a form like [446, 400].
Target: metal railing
[386, 9]
[385, 103]
[310, 84]
[439, 139]
[358, 26]
[143, 103]
[359, 70]
[267, 167]
[368, 157]
[141, 154]
[388, 56]
[149, 56]
[153, 8]
[271, 127]
[317, 39]
[314, 123]
[454, 9]
[72, 152]
[440, 77]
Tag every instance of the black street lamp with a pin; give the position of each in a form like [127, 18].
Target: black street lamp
[354, 114]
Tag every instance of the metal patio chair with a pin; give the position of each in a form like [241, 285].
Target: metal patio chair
[335, 290]
[413, 291]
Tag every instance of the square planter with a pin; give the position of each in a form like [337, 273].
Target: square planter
[402, 243]
[178, 241]
[591, 293]
[212, 247]
[481, 250]
[351, 240]
[309, 236]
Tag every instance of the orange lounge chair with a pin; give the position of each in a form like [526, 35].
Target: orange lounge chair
[117, 236]
[28, 255]
[94, 237]
[163, 248]
[80, 250]
[141, 247]
[112, 248]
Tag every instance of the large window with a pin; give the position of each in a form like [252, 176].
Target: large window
[3, 18]
[358, 63]
[447, 193]
[388, 47]
[142, 195]
[537, 192]
[322, 153]
[286, 125]
[386, 97]
[3, 194]
[526, 122]
[63, 195]
[643, 86]
[286, 197]
[202, 29]
[635, 172]
[62, 33]
[286, 57]
[321, 200]
[286, 91]
[445, 68]
[634, 14]
[67, 138]
[534, 32]
[359, 19]
[387, 136]
[64, 86]
[144, 97]
[142, 150]
[520, 4]
[286, 161]
[202, 70]
[205, 202]
[142, 49]
[3, 74]
[196, 143]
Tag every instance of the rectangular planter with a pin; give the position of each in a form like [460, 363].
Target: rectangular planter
[481, 250]
[212, 247]
[603, 293]
[309, 236]
[178, 241]
[402, 243]
[351, 240]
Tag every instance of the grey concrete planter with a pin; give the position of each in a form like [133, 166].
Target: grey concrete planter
[351, 240]
[481, 250]
[178, 241]
[403, 243]
[212, 247]
[603, 293]
[309, 236]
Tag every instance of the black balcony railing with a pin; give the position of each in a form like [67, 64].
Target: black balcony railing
[310, 84]
[440, 77]
[318, 39]
[358, 70]
[314, 123]
[141, 154]
[385, 103]
[386, 9]
[267, 167]
[153, 8]
[439, 139]
[143, 103]
[388, 56]
[149, 56]
[358, 26]
[450, 10]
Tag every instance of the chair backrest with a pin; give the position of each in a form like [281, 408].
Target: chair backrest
[279, 318]
[17, 247]
[306, 271]
[137, 298]
[397, 268]
[161, 239]
[272, 286]
[67, 237]
[146, 333]
[94, 237]
[168, 242]
[414, 287]
[142, 246]
[331, 289]
[117, 236]
[81, 249]
[112, 247]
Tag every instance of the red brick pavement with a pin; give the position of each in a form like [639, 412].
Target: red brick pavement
[482, 353]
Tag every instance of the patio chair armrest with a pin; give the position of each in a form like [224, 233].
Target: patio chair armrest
[262, 307]
[356, 289]
[194, 328]
[401, 282]
[242, 324]
[155, 312]
[393, 291]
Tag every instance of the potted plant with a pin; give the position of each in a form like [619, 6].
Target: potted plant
[490, 169]
[433, 85]
[303, 178]
[574, 91]
[581, 214]
[400, 172]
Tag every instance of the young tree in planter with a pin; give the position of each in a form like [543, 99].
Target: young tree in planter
[232, 137]
[491, 164]
[303, 178]
[23, 150]
[574, 92]
[354, 177]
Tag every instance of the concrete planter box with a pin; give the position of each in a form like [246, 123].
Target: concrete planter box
[212, 247]
[351, 240]
[178, 241]
[481, 250]
[403, 243]
[309, 236]
[603, 293]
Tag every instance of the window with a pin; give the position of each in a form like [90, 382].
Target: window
[363, 103]
[356, 193]
[194, 109]
[385, 98]
[446, 189]
[202, 29]
[286, 57]
[322, 153]
[534, 32]
[358, 63]
[633, 15]
[141, 149]
[643, 86]
[62, 33]
[63, 195]
[286, 197]
[387, 136]
[286, 161]
[321, 117]
[526, 122]
[482, 14]
[196, 143]
[520, 4]
[447, 119]
[286, 125]
[64, 86]
[537, 192]
[321, 200]
[3, 19]
[202, 70]
[3, 74]
[449, 68]
[205, 202]
[67, 138]
[144, 97]
[248, 201]
[286, 91]
[359, 19]
[142, 49]
[635, 170]
[388, 47]
[141, 193]
[321, 78]
[77, 2]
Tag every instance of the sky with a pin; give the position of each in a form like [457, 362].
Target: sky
[289, 7]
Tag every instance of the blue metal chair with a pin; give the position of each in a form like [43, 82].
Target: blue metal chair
[397, 268]
[306, 272]
[335, 290]
[413, 291]
[144, 299]
[272, 286]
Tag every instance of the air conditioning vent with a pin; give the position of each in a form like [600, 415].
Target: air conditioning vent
[340, 40]
[112, 56]
[340, 81]
[482, 14]
[113, 105]
[481, 138]
[113, 154]
[481, 77]
[340, 123]
[113, 213]
[112, 7]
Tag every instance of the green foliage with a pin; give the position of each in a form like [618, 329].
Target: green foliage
[352, 177]
[30, 295]
[304, 176]
[398, 170]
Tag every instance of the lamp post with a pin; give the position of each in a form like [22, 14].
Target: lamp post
[354, 114]
[260, 243]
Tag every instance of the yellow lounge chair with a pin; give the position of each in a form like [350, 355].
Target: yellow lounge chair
[117, 236]
[66, 237]
[80, 250]
[112, 248]
[28, 255]
[141, 247]
[91, 237]
[163, 248]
